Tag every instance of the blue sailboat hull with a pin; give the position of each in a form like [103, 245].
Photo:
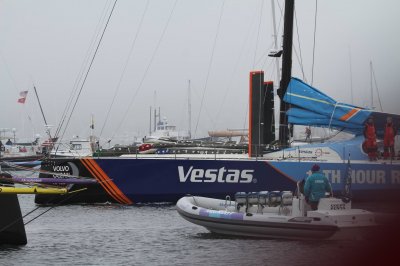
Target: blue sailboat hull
[133, 180]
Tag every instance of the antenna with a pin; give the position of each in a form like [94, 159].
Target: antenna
[189, 111]
[92, 124]
[372, 89]
[150, 122]
[155, 111]
[373, 78]
[351, 79]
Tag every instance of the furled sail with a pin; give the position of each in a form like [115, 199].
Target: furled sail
[313, 107]
[298, 116]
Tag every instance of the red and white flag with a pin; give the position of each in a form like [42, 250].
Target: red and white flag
[22, 96]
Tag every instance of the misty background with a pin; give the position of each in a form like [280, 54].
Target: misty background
[151, 49]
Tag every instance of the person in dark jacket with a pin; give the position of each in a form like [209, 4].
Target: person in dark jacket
[316, 186]
[308, 134]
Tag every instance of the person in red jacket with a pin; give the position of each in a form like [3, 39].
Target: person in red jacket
[370, 139]
[388, 139]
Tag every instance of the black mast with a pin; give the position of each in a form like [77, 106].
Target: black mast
[40, 105]
[286, 71]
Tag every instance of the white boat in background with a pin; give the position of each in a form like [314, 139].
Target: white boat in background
[278, 215]
[20, 150]
[75, 148]
[166, 133]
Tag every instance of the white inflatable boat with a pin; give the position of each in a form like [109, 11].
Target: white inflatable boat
[277, 215]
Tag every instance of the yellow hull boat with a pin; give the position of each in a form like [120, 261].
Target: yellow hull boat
[32, 190]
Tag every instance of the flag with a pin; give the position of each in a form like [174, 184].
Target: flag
[22, 96]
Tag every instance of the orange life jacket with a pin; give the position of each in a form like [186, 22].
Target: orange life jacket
[389, 135]
[369, 131]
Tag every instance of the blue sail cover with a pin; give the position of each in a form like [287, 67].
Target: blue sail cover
[299, 116]
[318, 109]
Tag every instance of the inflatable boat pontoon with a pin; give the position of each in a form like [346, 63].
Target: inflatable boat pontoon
[277, 215]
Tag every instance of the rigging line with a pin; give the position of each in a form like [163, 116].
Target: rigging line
[266, 68]
[267, 57]
[83, 66]
[264, 56]
[376, 86]
[72, 194]
[315, 31]
[300, 63]
[281, 18]
[205, 107]
[147, 69]
[298, 40]
[247, 102]
[80, 76]
[35, 209]
[9, 72]
[88, 70]
[234, 69]
[40, 105]
[34, 218]
[246, 115]
[29, 116]
[258, 34]
[15, 86]
[209, 65]
[372, 89]
[351, 78]
[125, 66]
[19, 219]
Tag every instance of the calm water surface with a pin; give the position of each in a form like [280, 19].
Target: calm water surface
[148, 235]
[111, 234]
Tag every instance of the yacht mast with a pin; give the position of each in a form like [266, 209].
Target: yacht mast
[150, 123]
[189, 112]
[92, 125]
[372, 89]
[286, 71]
[278, 72]
[351, 79]
[41, 110]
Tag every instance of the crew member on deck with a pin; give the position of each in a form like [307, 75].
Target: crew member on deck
[388, 139]
[308, 134]
[370, 139]
[316, 186]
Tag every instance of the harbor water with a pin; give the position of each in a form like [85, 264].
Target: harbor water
[110, 234]
[113, 234]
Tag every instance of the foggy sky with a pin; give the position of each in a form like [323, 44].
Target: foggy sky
[45, 42]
